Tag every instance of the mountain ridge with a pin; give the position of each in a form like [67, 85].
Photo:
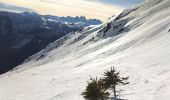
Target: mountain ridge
[23, 34]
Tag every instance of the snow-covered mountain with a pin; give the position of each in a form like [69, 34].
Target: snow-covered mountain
[23, 34]
[78, 20]
[136, 42]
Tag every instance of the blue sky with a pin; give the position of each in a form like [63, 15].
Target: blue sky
[100, 9]
[125, 3]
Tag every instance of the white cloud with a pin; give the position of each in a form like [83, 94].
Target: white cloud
[69, 7]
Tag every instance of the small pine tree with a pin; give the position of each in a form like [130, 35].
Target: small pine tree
[112, 78]
[95, 90]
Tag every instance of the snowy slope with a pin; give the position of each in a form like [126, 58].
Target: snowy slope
[136, 42]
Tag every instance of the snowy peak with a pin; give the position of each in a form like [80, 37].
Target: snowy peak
[117, 26]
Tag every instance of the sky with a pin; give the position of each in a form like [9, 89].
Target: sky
[99, 9]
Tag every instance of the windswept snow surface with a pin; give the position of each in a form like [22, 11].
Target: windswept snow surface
[139, 48]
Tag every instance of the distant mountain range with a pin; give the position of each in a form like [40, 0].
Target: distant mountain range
[78, 20]
[23, 34]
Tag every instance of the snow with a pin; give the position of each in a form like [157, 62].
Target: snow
[51, 20]
[60, 71]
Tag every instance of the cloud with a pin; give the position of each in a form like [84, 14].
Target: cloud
[52, 1]
[87, 8]
[6, 7]
[123, 3]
